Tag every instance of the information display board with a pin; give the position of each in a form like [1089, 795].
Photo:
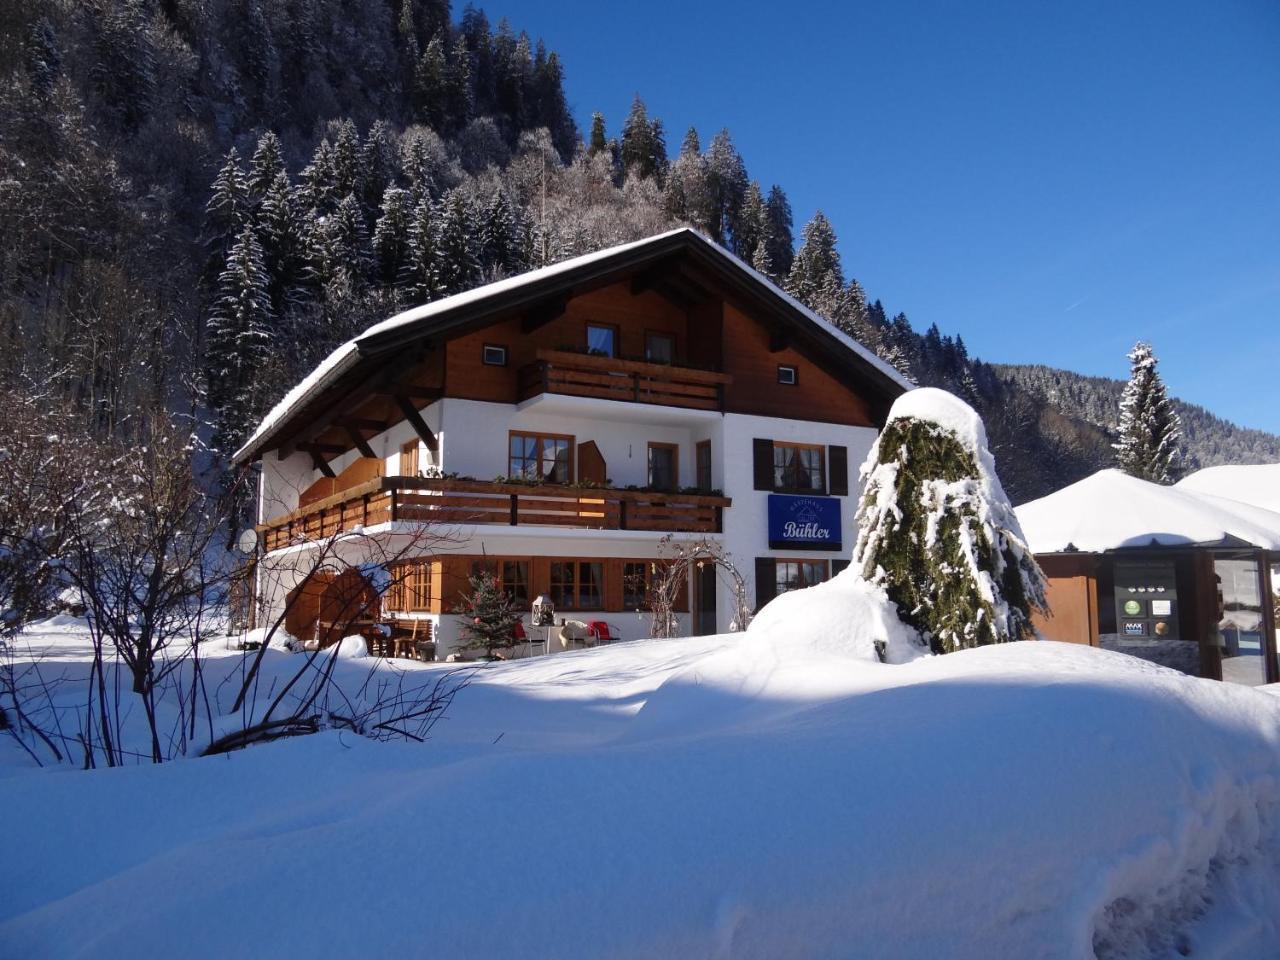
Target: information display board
[1146, 600]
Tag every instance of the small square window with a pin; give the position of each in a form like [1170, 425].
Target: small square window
[787, 375]
[495, 356]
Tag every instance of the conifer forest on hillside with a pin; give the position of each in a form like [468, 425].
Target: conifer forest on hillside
[201, 198]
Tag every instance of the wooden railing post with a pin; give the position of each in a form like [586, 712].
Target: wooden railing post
[622, 515]
[515, 509]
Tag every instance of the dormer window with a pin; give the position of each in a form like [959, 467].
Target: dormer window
[788, 375]
[495, 355]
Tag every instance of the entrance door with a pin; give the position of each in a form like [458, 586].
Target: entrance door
[704, 616]
[1242, 626]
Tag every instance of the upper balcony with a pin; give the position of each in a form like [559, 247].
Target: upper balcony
[634, 381]
[463, 502]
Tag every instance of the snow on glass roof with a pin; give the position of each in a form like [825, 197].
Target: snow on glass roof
[1112, 510]
[341, 359]
[1256, 484]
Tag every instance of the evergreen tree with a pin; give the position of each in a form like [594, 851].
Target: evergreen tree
[816, 267]
[346, 160]
[752, 223]
[124, 74]
[779, 235]
[489, 616]
[937, 533]
[552, 108]
[227, 212]
[391, 234]
[43, 57]
[643, 150]
[420, 271]
[318, 191]
[283, 239]
[687, 194]
[500, 243]
[727, 183]
[430, 95]
[1150, 437]
[239, 341]
[761, 260]
[458, 266]
[266, 165]
[598, 141]
[377, 164]
[348, 237]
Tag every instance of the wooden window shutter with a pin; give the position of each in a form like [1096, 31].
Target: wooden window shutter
[766, 580]
[838, 471]
[762, 463]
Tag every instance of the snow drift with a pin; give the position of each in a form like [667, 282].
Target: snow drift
[695, 798]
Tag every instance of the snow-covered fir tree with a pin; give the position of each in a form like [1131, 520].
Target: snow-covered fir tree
[457, 260]
[936, 531]
[227, 210]
[239, 341]
[1150, 430]
[816, 266]
[391, 234]
[420, 272]
[266, 165]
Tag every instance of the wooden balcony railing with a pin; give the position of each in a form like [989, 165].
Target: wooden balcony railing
[443, 501]
[606, 378]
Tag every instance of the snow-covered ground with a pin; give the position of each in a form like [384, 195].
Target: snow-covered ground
[733, 796]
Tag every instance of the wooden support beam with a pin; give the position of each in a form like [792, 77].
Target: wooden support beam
[415, 419]
[361, 444]
[543, 313]
[318, 461]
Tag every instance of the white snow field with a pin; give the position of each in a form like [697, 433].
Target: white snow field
[746, 795]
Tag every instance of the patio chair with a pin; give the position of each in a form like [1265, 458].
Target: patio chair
[602, 632]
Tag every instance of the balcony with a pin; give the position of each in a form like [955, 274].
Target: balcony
[634, 381]
[451, 501]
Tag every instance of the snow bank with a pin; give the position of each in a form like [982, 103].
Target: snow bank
[844, 616]
[1030, 800]
[1111, 510]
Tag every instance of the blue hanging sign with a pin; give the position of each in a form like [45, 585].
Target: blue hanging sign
[804, 523]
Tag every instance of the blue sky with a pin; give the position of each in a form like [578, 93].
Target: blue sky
[1050, 181]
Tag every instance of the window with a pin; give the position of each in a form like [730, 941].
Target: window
[512, 577]
[798, 574]
[409, 458]
[494, 355]
[410, 588]
[577, 584]
[788, 375]
[704, 465]
[602, 341]
[799, 467]
[659, 348]
[664, 470]
[536, 456]
[636, 577]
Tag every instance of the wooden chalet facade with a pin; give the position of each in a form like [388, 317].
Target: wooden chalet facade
[557, 425]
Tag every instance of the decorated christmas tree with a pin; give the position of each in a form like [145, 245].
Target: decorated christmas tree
[488, 617]
[937, 533]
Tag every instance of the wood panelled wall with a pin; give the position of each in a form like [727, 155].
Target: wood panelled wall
[633, 314]
[714, 336]
[816, 395]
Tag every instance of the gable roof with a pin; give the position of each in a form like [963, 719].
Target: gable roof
[452, 316]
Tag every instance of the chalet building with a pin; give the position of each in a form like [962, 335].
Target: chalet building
[559, 424]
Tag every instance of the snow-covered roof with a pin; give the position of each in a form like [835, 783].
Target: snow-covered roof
[427, 317]
[1256, 484]
[1112, 510]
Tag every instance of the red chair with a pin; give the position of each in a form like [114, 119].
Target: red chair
[602, 632]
